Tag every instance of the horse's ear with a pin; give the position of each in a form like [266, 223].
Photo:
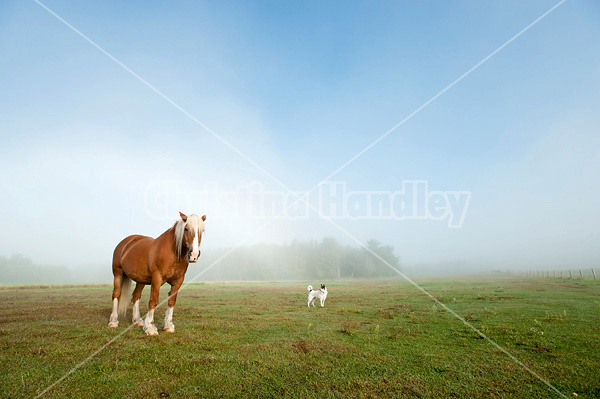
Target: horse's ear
[203, 218]
[183, 217]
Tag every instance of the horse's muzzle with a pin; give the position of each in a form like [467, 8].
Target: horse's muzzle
[194, 256]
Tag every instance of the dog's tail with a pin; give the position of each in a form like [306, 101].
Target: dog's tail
[310, 287]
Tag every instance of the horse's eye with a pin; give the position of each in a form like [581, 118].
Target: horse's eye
[186, 229]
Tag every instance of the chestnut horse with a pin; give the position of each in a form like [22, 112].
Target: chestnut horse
[146, 260]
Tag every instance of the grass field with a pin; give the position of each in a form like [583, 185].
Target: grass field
[372, 339]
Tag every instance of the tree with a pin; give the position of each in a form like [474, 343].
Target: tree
[379, 258]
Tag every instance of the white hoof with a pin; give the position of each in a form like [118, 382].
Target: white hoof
[169, 329]
[113, 324]
[138, 323]
[151, 330]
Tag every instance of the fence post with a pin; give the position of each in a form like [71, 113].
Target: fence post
[570, 275]
[594, 273]
[554, 273]
[580, 274]
[561, 276]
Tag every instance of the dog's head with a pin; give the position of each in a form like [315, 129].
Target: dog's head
[323, 288]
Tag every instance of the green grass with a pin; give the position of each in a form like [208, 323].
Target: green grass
[372, 339]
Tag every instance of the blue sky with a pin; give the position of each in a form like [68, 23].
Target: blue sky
[301, 88]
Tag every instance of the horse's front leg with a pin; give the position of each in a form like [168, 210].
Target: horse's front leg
[137, 294]
[169, 326]
[149, 327]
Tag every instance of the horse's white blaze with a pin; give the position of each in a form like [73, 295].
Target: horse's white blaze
[195, 225]
[195, 244]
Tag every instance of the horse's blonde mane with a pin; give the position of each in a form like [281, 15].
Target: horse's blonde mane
[179, 227]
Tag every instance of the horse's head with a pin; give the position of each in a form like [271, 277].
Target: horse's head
[192, 235]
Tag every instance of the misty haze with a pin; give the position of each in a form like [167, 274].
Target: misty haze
[300, 199]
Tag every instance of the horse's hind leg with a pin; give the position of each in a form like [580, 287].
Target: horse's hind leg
[114, 316]
[137, 294]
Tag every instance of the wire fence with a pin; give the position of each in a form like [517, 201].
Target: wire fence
[589, 273]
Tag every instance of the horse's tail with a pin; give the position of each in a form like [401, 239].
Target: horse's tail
[125, 294]
[310, 287]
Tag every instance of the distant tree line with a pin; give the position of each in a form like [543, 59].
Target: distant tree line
[326, 259]
[323, 260]
[19, 269]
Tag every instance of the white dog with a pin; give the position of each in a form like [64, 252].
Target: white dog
[314, 294]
